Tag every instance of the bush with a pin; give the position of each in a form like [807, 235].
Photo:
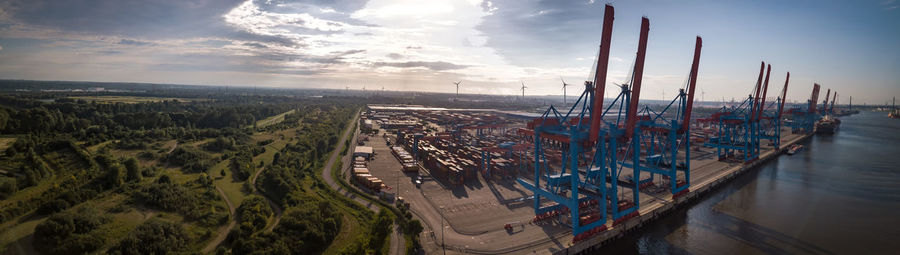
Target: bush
[155, 237]
[254, 211]
[169, 197]
[56, 205]
[190, 159]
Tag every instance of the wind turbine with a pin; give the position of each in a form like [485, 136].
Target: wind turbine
[702, 94]
[523, 91]
[564, 89]
[457, 88]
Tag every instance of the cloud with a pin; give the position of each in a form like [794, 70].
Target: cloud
[134, 42]
[436, 65]
[255, 45]
[135, 18]
[109, 52]
[394, 56]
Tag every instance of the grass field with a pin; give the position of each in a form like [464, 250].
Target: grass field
[129, 99]
[272, 120]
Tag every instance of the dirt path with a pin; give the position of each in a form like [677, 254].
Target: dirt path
[223, 232]
[173, 147]
[398, 244]
[275, 207]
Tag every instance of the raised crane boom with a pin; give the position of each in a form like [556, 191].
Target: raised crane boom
[784, 94]
[631, 118]
[814, 98]
[765, 91]
[695, 65]
[762, 68]
[600, 73]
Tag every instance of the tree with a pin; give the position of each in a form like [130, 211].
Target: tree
[114, 175]
[70, 232]
[133, 170]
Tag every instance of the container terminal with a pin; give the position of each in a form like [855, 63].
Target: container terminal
[567, 180]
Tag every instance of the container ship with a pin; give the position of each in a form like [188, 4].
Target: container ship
[827, 125]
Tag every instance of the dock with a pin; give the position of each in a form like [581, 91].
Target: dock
[708, 175]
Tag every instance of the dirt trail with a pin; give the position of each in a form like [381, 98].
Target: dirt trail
[223, 231]
[275, 207]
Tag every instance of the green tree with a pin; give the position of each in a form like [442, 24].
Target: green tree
[70, 232]
[133, 170]
[114, 175]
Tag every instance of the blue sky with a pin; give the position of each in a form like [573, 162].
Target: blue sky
[492, 46]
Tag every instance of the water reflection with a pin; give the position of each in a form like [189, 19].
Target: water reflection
[840, 196]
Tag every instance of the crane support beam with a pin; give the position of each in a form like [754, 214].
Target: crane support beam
[600, 74]
[695, 65]
[631, 118]
[831, 108]
[825, 103]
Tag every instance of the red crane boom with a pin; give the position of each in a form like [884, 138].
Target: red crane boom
[765, 92]
[600, 73]
[784, 94]
[692, 84]
[814, 98]
[762, 67]
[638, 75]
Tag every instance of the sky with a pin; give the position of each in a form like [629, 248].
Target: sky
[492, 46]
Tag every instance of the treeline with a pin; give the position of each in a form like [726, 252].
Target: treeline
[90, 120]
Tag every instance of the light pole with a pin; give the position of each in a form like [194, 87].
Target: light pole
[442, 231]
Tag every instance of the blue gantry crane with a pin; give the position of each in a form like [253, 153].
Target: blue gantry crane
[664, 136]
[737, 137]
[583, 156]
[804, 118]
[771, 116]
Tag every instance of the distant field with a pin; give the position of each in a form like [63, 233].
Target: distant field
[129, 99]
[273, 120]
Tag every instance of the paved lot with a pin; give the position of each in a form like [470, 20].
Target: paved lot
[473, 214]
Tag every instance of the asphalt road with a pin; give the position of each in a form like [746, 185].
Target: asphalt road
[397, 241]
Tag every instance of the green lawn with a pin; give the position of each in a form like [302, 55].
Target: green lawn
[272, 120]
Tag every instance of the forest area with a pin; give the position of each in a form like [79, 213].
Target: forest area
[179, 172]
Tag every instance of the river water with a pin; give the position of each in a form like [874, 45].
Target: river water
[839, 196]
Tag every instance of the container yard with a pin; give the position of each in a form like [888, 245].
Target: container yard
[483, 201]
[569, 179]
